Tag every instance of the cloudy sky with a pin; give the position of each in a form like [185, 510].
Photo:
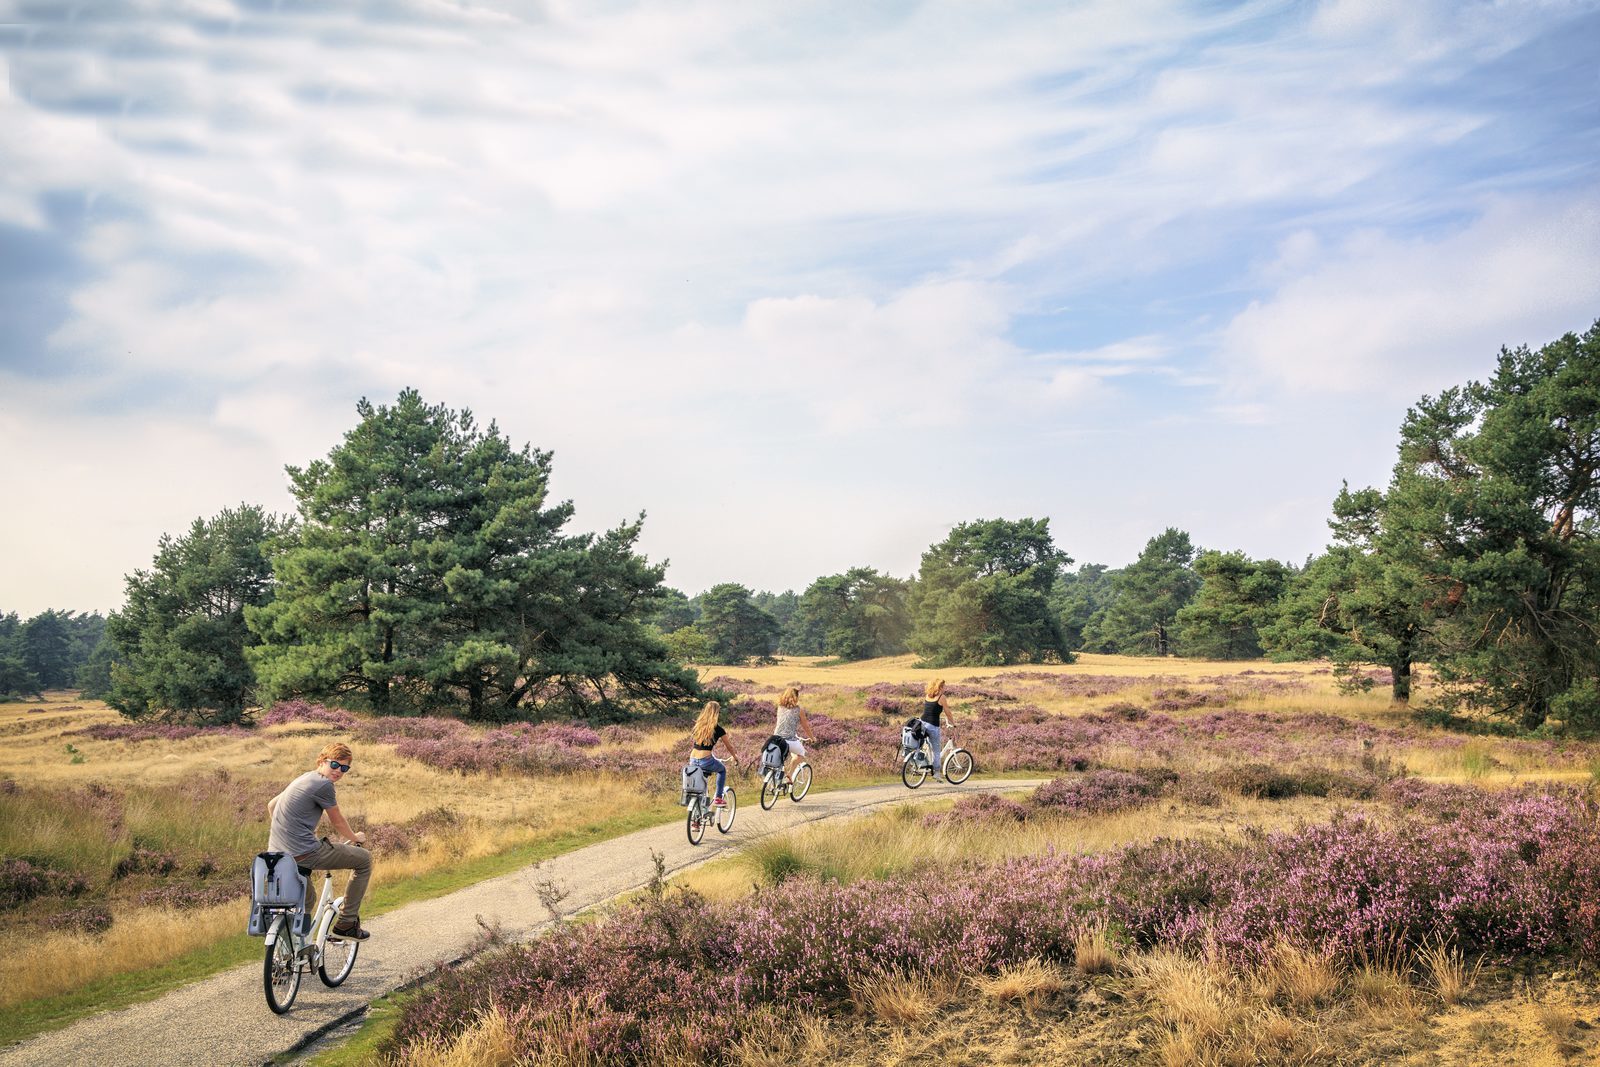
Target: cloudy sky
[809, 283]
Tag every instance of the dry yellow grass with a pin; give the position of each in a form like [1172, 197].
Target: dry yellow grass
[1297, 976]
[904, 998]
[1453, 978]
[489, 1042]
[495, 814]
[1025, 983]
[895, 840]
[41, 964]
[1094, 952]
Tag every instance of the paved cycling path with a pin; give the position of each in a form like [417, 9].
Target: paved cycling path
[224, 1020]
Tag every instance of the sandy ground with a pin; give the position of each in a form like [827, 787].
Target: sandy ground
[224, 1020]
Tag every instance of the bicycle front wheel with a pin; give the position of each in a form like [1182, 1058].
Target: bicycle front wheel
[958, 766]
[914, 770]
[726, 812]
[338, 959]
[280, 972]
[769, 791]
[695, 822]
[801, 784]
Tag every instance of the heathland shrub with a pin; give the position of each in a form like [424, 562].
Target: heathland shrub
[22, 880]
[94, 919]
[286, 711]
[1102, 791]
[1274, 783]
[1515, 873]
[979, 808]
[155, 731]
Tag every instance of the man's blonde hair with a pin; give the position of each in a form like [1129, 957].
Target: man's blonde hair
[338, 750]
[935, 689]
[790, 698]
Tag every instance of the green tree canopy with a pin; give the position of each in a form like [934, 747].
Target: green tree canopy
[734, 628]
[179, 642]
[1238, 596]
[1078, 597]
[859, 614]
[1494, 511]
[428, 572]
[982, 595]
[1366, 593]
[1146, 596]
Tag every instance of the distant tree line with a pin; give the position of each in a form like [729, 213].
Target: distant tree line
[426, 569]
[1480, 557]
[52, 650]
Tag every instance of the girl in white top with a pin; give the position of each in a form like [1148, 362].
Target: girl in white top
[791, 722]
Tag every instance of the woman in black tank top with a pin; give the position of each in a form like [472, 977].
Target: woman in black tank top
[934, 705]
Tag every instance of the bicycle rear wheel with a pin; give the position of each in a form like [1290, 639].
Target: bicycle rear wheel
[695, 822]
[338, 958]
[280, 971]
[801, 784]
[769, 790]
[914, 771]
[958, 766]
[726, 813]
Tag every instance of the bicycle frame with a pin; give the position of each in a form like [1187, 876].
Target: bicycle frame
[317, 937]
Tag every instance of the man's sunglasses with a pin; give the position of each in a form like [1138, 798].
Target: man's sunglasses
[342, 768]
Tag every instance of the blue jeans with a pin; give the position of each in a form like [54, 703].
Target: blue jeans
[933, 739]
[712, 763]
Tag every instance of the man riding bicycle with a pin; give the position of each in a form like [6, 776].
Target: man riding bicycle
[295, 814]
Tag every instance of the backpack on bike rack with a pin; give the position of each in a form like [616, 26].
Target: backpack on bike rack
[911, 736]
[276, 882]
[774, 754]
[694, 783]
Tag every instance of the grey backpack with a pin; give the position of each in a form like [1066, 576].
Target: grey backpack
[694, 783]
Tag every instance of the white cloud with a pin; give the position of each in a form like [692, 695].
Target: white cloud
[673, 241]
[1396, 317]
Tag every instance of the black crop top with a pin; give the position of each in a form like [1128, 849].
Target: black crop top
[717, 734]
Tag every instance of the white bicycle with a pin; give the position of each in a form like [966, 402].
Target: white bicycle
[955, 763]
[290, 953]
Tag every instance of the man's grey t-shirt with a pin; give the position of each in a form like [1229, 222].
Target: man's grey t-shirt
[299, 809]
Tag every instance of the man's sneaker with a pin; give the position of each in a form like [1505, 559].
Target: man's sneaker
[349, 929]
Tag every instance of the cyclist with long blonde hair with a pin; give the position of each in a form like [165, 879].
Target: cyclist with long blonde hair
[793, 727]
[935, 705]
[707, 733]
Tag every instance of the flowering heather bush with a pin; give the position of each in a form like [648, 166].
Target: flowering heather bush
[1518, 874]
[1011, 714]
[154, 731]
[887, 705]
[144, 861]
[184, 897]
[732, 686]
[1100, 792]
[979, 808]
[1182, 698]
[565, 734]
[520, 748]
[401, 837]
[1084, 686]
[425, 727]
[22, 881]
[620, 735]
[94, 919]
[304, 711]
[747, 713]
[1276, 783]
